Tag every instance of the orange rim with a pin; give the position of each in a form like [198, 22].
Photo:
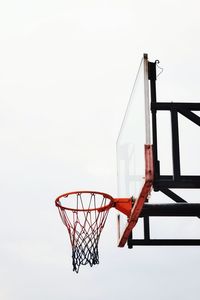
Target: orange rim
[102, 208]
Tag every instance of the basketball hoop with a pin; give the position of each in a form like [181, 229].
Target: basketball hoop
[84, 213]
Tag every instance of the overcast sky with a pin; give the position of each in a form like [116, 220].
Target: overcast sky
[66, 73]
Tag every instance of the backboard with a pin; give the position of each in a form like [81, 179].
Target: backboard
[134, 151]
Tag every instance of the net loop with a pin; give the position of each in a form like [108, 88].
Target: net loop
[84, 214]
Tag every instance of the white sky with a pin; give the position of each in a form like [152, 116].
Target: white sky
[66, 72]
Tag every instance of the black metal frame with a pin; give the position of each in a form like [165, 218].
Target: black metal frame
[164, 183]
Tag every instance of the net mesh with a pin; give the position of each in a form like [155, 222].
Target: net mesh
[84, 224]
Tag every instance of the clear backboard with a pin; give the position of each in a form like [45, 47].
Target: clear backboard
[134, 151]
